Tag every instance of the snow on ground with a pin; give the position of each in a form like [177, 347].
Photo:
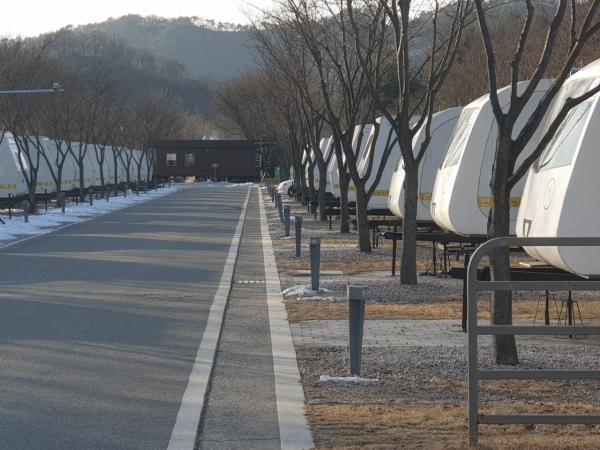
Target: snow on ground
[46, 221]
[327, 378]
[304, 290]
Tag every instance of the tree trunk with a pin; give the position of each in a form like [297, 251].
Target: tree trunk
[32, 202]
[408, 269]
[344, 180]
[505, 347]
[362, 218]
[322, 192]
[81, 182]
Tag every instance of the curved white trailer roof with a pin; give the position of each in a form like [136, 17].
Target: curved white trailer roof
[442, 127]
[379, 198]
[12, 180]
[462, 198]
[561, 194]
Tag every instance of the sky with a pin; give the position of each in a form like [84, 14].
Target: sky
[32, 17]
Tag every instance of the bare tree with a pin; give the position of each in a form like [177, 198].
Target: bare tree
[581, 19]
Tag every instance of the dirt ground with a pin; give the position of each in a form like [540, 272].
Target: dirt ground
[431, 424]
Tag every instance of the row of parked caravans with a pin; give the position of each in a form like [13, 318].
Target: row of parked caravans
[12, 179]
[558, 198]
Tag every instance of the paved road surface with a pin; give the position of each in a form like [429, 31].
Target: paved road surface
[100, 322]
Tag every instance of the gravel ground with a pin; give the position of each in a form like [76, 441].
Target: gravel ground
[419, 374]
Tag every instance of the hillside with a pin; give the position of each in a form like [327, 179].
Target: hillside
[203, 51]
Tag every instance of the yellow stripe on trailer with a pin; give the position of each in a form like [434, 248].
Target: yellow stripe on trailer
[87, 180]
[66, 182]
[8, 186]
[488, 202]
[45, 183]
[425, 196]
[380, 193]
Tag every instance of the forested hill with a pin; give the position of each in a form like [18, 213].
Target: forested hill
[219, 52]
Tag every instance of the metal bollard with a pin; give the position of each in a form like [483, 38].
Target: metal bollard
[273, 195]
[286, 219]
[280, 207]
[91, 192]
[315, 262]
[356, 317]
[145, 186]
[26, 210]
[298, 220]
[63, 200]
[107, 193]
[137, 187]
[125, 190]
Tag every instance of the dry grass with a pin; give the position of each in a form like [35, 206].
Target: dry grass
[448, 309]
[441, 426]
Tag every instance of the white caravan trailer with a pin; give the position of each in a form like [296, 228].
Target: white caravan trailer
[442, 127]
[45, 182]
[88, 167]
[12, 180]
[69, 171]
[326, 149]
[386, 135]
[109, 166]
[462, 198]
[561, 193]
[333, 169]
[90, 156]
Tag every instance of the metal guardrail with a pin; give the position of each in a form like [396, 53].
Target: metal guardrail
[475, 330]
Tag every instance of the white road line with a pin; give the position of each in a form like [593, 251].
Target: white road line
[192, 403]
[294, 431]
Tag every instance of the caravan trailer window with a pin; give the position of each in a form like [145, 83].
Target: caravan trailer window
[563, 145]
[458, 141]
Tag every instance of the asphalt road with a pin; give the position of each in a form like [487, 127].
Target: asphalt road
[100, 322]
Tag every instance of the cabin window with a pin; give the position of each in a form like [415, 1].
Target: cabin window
[564, 143]
[171, 159]
[458, 141]
[190, 159]
[258, 160]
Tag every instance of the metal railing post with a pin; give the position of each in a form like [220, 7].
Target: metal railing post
[356, 317]
[286, 219]
[298, 220]
[91, 194]
[315, 262]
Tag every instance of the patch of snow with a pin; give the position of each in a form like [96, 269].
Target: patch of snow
[327, 378]
[304, 290]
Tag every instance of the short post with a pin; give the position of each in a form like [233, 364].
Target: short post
[169, 181]
[63, 200]
[356, 317]
[145, 186]
[298, 220]
[26, 210]
[273, 195]
[91, 193]
[279, 206]
[137, 187]
[107, 193]
[126, 188]
[286, 219]
[315, 262]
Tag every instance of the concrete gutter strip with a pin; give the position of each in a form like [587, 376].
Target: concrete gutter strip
[293, 428]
